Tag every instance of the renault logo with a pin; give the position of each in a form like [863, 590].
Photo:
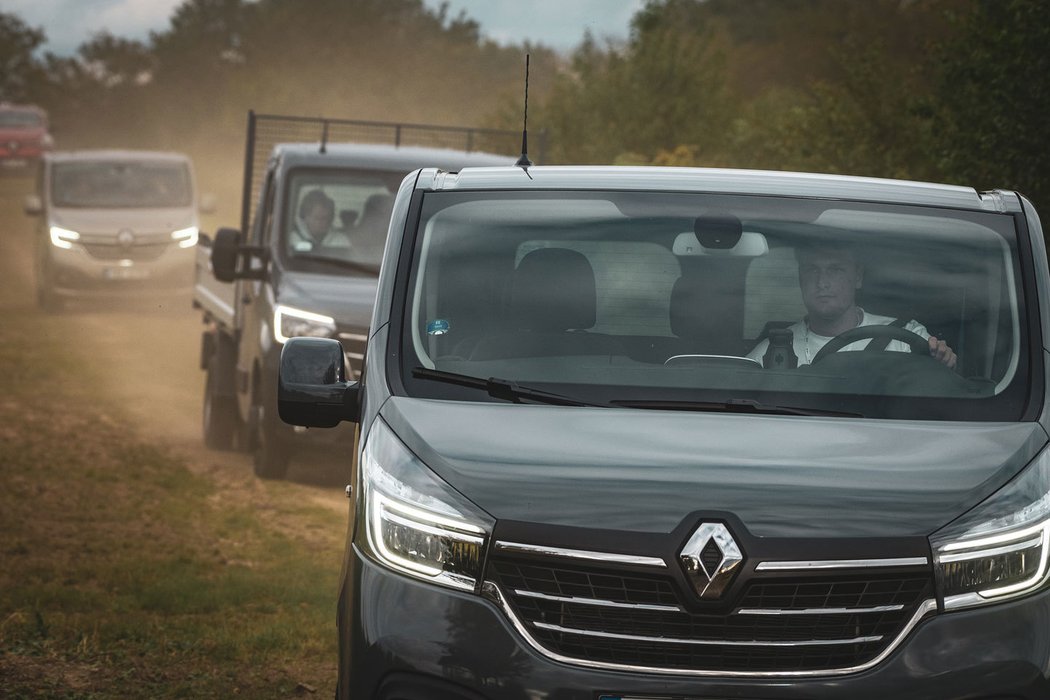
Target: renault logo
[710, 559]
[126, 238]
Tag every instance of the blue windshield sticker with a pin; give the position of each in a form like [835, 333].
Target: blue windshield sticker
[438, 327]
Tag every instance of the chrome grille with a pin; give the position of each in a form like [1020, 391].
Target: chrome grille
[147, 246]
[785, 622]
[138, 253]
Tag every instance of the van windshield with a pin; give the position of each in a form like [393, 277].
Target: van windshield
[121, 184]
[682, 301]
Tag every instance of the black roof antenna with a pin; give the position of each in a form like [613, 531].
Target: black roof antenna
[324, 137]
[524, 161]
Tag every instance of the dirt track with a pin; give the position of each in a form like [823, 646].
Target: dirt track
[147, 357]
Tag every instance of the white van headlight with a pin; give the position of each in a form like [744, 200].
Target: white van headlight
[290, 322]
[999, 550]
[186, 237]
[63, 237]
[416, 523]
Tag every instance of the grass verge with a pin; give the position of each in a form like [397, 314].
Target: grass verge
[126, 574]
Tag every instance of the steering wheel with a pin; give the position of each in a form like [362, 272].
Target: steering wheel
[916, 342]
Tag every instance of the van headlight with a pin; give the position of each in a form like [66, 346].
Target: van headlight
[186, 237]
[289, 322]
[416, 523]
[63, 237]
[999, 550]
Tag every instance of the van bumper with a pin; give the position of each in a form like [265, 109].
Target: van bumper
[74, 272]
[406, 640]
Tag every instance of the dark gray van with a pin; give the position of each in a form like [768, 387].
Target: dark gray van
[633, 433]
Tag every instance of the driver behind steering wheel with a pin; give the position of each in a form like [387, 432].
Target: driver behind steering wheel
[829, 277]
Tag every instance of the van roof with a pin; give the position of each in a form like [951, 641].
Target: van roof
[714, 180]
[384, 156]
[114, 154]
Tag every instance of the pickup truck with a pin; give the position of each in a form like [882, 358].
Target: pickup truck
[304, 262]
[687, 433]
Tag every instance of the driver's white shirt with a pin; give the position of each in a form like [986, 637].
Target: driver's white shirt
[807, 343]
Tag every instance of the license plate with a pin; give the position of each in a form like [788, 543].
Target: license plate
[125, 273]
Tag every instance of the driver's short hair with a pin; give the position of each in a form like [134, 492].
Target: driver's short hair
[315, 198]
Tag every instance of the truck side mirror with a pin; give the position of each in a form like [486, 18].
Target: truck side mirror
[312, 390]
[32, 205]
[224, 253]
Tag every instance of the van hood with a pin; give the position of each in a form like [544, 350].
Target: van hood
[348, 298]
[112, 220]
[645, 471]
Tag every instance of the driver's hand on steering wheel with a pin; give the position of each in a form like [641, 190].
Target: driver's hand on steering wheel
[940, 351]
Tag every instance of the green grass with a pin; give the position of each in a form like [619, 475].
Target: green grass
[126, 574]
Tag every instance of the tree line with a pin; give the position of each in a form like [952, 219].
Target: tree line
[943, 90]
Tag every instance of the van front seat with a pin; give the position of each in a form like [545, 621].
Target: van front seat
[553, 302]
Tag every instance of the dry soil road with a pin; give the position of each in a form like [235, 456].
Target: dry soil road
[147, 353]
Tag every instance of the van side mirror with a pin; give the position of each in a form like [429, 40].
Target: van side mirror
[312, 390]
[224, 254]
[32, 205]
[206, 204]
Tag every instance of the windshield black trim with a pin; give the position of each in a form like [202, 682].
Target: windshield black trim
[906, 407]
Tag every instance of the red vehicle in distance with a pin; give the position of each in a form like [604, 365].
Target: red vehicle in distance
[24, 137]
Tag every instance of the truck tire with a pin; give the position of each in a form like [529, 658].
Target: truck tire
[271, 451]
[219, 413]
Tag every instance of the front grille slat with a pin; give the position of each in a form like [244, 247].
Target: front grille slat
[782, 621]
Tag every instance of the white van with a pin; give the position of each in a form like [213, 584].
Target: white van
[113, 223]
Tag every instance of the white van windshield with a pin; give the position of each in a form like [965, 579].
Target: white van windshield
[121, 184]
[677, 300]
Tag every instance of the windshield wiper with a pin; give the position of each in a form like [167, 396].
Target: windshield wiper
[733, 406]
[371, 269]
[503, 388]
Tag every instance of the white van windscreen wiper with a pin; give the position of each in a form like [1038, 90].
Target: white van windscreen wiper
[503, 388]
[732, 406]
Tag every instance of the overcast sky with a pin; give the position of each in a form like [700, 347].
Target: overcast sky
[556, 23]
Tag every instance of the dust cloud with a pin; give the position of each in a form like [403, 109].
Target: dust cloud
[143, 354]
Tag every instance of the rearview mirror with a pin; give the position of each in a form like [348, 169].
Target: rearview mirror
[312, 390]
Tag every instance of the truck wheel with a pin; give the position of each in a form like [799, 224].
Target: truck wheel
[219, 412]
[272, 450]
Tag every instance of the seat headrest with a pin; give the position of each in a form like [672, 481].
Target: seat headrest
[553, 290]
[377, 206]
[686, 305]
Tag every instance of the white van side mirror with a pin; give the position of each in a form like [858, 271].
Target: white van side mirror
[33, 206]
[206, 204]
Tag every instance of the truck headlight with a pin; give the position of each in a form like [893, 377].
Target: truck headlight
[63, 237]
[999, 550]
[289, 322]
[186, 237]
[417, 524]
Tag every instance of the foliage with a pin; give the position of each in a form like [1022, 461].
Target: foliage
[951, 90]
[18, 69]
[994, 98]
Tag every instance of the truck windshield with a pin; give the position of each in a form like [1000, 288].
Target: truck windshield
[20, 118]
[337, 220]
[688, 301]
[121, 184]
